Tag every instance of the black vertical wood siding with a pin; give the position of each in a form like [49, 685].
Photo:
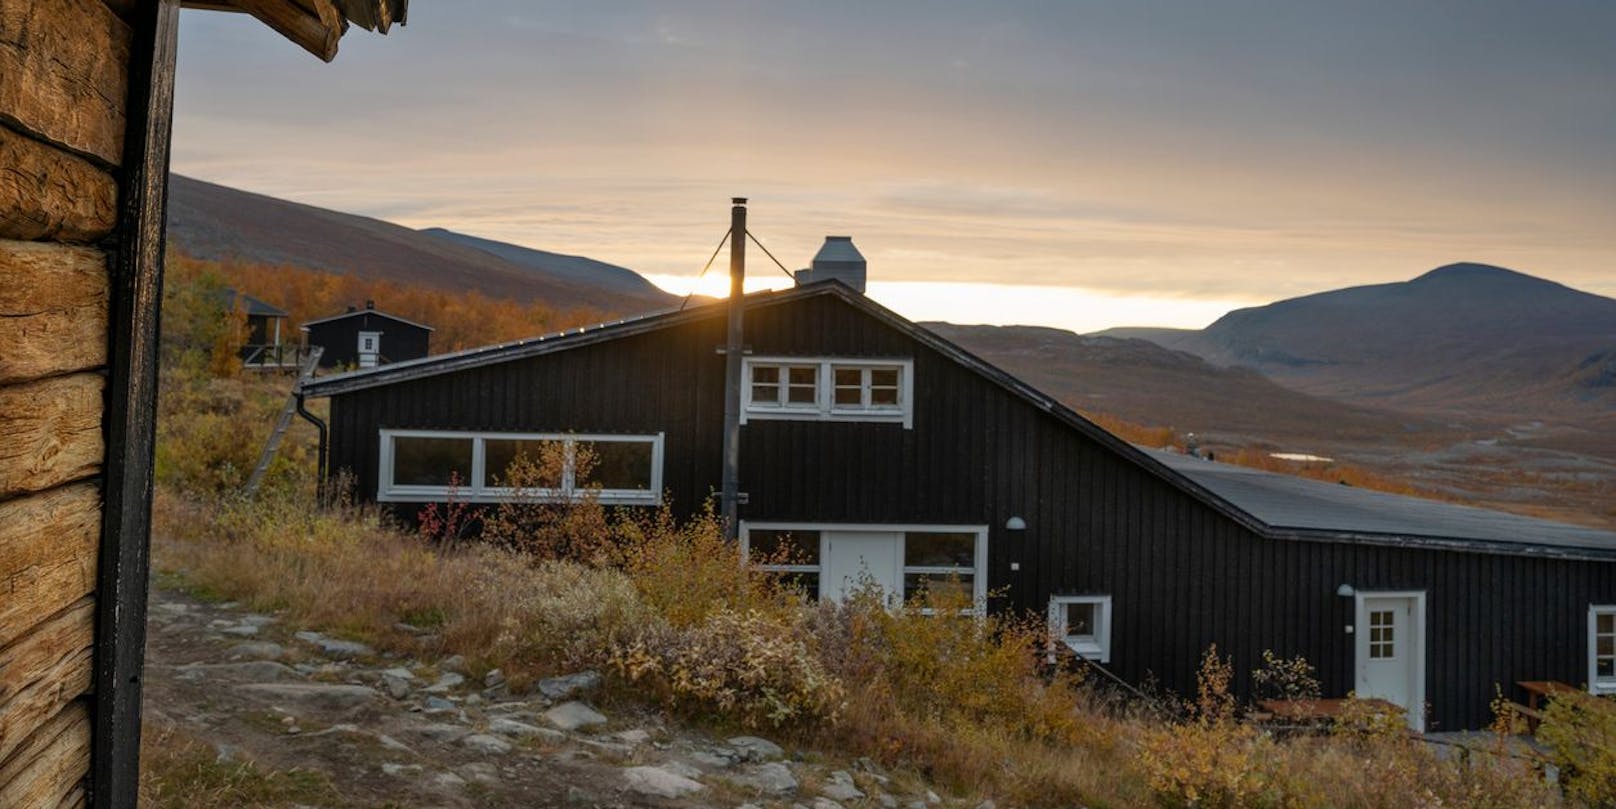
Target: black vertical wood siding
[1182, 576]
[340, 337]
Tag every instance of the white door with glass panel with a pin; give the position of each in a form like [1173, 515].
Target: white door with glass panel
[1391, 651]
[855, 559]
[370, 347]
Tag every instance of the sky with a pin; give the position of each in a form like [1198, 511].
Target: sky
[1064, 163]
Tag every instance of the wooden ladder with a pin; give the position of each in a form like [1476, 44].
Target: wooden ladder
[284, 422]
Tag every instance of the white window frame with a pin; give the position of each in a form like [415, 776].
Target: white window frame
[978, 571]
[1597, 685]
[476, 491]
[824, 407]
[1097, 649]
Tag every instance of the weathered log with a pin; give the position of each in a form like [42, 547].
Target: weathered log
[50, 432]
[53, 310]
[67, 680]
[317, 28]
[49, 545]
[51, 763]
[74, 799]
[47, 193]
[64, 74]
[31, 655]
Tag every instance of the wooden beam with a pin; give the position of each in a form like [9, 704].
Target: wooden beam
[30, 656]
[50, 432]
[46, 193]
[131, 420]
[48, 545]
[64, 74]
[53, 310]
[315, 25]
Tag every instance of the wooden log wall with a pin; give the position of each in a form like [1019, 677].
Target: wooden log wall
[64, 86]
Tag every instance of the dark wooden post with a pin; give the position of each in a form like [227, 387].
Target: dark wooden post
[130, 425]
[730, 491]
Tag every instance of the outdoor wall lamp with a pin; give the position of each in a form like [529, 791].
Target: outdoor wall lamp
[1015, 524]
[1345, 591]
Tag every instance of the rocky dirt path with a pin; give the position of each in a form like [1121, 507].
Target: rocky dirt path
[390, 731]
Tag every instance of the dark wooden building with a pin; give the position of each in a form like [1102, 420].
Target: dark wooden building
[262, 347]
[882, 449]
[366, 338]
[86, 95]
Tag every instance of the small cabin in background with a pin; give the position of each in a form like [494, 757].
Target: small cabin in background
[366, 338]
[262, 347]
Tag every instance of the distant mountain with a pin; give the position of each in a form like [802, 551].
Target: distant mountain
[215, 222]
[1461, 338]
[1148, 384]
[574, 269]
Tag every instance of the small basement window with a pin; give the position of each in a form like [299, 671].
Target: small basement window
[1084, 624]
[429, 466]
[829, 389]
[1602, 649]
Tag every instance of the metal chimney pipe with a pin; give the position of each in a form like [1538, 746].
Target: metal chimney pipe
[730, 492]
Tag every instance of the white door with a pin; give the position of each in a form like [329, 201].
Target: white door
[853, 558]
[1391, 651]
[370, 343]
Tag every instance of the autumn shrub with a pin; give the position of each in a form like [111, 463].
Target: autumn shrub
[1210, 759]
[531, 521]
[1287, 678]
[1580, 732]
[687, 570]
[747, 667]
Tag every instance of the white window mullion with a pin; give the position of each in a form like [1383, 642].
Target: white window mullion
[476, 484]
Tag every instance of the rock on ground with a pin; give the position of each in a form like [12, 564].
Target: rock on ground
[574, 715]
[753, 748]
[773, 779]
[560, 688]
[840, 787]
[659, 782]
[313, 695]
[484, 743]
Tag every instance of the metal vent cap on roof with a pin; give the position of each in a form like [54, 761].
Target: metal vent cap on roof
[839, 259]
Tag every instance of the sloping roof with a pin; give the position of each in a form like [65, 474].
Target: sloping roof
[1290, 503]
[1251, 503]
[249, 304]
[358, 312]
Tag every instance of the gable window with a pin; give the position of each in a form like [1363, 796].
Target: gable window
[1602, 649]
[429, 465]
[1083, 623]
[786, 386]
[829, 389]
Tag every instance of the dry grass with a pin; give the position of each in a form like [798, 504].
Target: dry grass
[179, 771]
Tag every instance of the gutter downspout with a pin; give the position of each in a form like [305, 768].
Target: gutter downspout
[730, 493]
[321, 451]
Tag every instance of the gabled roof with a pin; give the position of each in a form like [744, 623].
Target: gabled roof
[358, 312]
[249, 304]
[1280, 509]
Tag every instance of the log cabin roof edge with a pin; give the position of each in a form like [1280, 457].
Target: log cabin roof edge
[1276, 510]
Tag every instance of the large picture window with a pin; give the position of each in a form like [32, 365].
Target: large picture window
[427, 466]
[829, 389]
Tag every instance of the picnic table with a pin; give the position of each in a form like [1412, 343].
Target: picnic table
[1537, 691]
[1309, 710]
[1542, 689]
